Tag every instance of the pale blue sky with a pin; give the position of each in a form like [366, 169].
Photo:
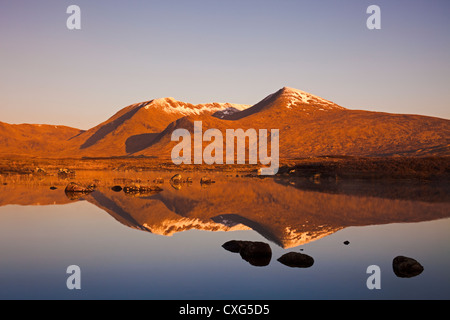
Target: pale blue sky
[219, 51]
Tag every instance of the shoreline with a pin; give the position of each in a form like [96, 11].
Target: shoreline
[326, 167]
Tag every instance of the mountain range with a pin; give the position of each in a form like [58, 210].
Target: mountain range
[309, 126]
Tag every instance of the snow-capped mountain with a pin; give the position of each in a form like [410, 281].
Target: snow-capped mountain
[308, 125]
[290, 101]
[135, 126]
[170, 105]
[312, 126]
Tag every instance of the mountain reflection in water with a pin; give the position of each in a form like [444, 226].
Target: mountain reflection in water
[286, 212]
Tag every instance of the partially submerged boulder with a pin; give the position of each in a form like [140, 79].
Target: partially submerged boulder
[405, 267]
[234, 245]
[75, 191]
[74, 187]
[137, 189]
[296, 260]
[177, 181]
[206, 180]
[254, 252]
[116, 188]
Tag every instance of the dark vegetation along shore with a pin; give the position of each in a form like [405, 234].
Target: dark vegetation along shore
[432, 168]
[319, 168]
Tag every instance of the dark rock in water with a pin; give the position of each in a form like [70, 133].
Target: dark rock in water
[233, 245]
[206, 180]
[346, 242]
[78, 188]
[53, 188]
[177, 182]
[254, 252]
[405, 267]
[176, 178]
[75, 191]
[137, 189]
[116, 188]
[176, 186]
[296, 260]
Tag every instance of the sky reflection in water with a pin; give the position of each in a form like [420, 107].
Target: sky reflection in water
[175, 255]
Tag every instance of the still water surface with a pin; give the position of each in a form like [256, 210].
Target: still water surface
[168, 245]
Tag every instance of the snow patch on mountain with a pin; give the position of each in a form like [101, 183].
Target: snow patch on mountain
[170, 105]
[295, 96]
[170, 227]
[226, 112]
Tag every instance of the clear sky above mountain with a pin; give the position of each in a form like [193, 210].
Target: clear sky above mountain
[219, 51]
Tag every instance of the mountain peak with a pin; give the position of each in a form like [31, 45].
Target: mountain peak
[164, 100]
[296, 96]
[297, 92]
[288, 98]
[289, 89]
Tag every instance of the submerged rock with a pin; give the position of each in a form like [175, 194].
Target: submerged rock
[75, 191]
[176, 179]
[254, 252]
[140, 189]
[176, 186]
[233, 245]
[116, 188]
[405, 267]
[206, 180]
[78, 188]
[296, 260]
